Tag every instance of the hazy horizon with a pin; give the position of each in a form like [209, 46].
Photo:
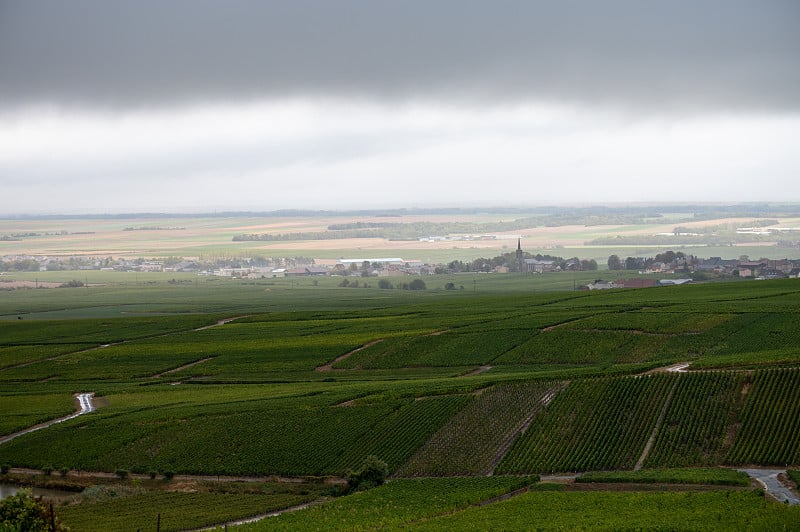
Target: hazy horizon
[202, 106]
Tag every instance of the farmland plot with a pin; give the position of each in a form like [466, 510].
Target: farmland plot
[696, 428]
[593, 424]
[770, 420]
[545, 510]
[25, 410]
[398, 503]
[470, 442]
[450, 348]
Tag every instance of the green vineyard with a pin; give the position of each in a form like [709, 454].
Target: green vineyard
[593, 424]
[770, 431]
[481, 391]
[700, 421]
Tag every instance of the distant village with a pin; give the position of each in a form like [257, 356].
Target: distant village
[678, 266]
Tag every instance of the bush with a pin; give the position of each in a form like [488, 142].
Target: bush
[47, 470]
[417, 284]
[4, 469]
[152, 474]
[385, 284]
[371, 474]
[22, 511]
[121, 473]
[169, 475]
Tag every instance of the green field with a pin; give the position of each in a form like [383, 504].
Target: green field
[514, 375]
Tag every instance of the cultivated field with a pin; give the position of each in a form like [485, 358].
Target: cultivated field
[243, 397]
[633, 233]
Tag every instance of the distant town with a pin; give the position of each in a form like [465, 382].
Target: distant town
[667, 268]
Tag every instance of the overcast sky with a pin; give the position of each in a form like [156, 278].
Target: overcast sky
[194, 106]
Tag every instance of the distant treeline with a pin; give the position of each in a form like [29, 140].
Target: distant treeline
[509, 260]
[15, 237]
[154, 228]
[21, 265]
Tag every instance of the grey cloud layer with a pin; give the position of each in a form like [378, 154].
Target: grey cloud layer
[684, 55]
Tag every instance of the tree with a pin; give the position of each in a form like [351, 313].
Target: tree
[456, 266]
[634, 263]
[23, 512]
[588, 265]
[384, 283]
[365, 269]
[371, 474]
[417, 284]
[614, 263]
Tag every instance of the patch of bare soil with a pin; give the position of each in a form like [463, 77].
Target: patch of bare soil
[786, 481]
[100, 402]
[730, 436]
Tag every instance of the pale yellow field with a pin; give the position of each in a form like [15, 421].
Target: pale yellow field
[195, 237]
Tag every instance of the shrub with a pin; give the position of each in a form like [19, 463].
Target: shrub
[372, 473]
[417, 284]
[22, 511]
[121, 473]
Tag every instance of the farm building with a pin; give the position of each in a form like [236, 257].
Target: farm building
[539, 266]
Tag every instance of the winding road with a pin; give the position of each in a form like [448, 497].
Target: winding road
[769, 479]
[85, 405]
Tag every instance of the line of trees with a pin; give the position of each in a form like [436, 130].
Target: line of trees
[509, 260]
[677, 260]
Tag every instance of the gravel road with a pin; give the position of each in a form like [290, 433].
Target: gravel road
[769, 479]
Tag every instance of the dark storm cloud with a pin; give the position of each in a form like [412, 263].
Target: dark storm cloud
[685, 55]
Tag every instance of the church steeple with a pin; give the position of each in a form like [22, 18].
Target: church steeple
[520, 262]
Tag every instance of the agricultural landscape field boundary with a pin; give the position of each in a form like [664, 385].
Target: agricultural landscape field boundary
[556, 381]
